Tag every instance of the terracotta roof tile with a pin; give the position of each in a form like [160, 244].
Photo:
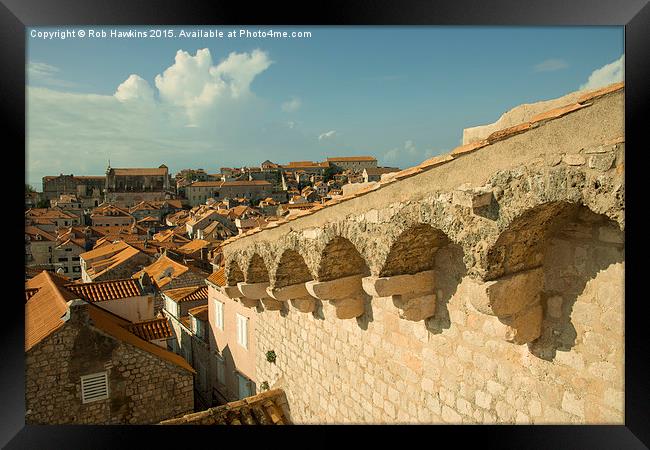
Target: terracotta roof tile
[106, 290]
[500, 135]
[267, 408]
[140, 171]
[152, 329]
[600, 92]
[200, 312]
[187, 294]
[352, 158]
[468, 148]
[45, 309]
[435, 161]
[118, 328]
[218, 277]
[558, 112]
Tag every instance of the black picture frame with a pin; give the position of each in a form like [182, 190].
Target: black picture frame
[16, 15]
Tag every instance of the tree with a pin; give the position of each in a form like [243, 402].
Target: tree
[29, 189]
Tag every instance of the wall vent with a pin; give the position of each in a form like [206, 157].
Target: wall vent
[94, 387]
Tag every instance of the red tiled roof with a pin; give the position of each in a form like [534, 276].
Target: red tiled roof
[140, 171]
[218, 277]
[352, 158]
[150, 330]
[187, 294]
[106, 290]
[267, 408]
[45, 309]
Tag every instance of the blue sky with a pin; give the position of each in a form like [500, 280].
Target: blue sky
[402, 94]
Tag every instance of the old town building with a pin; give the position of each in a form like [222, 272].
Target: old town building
[83, 365]
[129, 186]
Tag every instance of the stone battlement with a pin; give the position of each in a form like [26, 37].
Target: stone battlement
[438, 275]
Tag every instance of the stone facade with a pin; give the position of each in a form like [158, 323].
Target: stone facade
[483, 286]
[144, 389]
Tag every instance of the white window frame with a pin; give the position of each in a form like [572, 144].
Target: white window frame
[242, 331]
[94, 387]
[218, 314]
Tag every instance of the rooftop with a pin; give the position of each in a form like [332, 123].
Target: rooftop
[153, 329]
[106, 290]
[187, 294]
[267, 408]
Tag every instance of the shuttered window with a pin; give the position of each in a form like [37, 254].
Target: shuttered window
[94, 387]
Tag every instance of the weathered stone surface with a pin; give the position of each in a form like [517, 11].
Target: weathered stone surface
[349, 308]
[271, 304]
[288, 292]
[574, 159]
[232, 291]
[400, 284]
[508, 295]
[304, 304]
[456, 364]
[255, 291]
[472, 198]
[415, 308]
[336, 289]
[602, 162]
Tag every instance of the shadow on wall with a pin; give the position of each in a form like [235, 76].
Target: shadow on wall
[579, 252]
[450, 270]
[367, 316]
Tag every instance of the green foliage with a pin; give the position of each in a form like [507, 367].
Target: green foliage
[29, 189]
[270, 356]
[264, 386]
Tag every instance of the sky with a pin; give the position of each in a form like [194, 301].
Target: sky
[401, 94]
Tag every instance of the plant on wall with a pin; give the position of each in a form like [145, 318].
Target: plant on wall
[264, 386]
[270, 356]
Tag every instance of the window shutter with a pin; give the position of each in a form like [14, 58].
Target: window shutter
[94, 387]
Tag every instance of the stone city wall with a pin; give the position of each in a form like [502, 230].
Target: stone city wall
[483, 286]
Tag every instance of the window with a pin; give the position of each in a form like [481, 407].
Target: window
[221, 370]
[245, 386]
[76, 269]
[75, 258]
[63, 259]
[68, 249]
[65, 269]
[242, 331]
[218, 314]
[94, 387]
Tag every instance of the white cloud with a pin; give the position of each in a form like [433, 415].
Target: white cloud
[45, 73]
[327, 135]
[551, 65]
[407, 155]
[134, 88]
[613, 72]
[291, 124]
[292, 105]
[195, 85]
